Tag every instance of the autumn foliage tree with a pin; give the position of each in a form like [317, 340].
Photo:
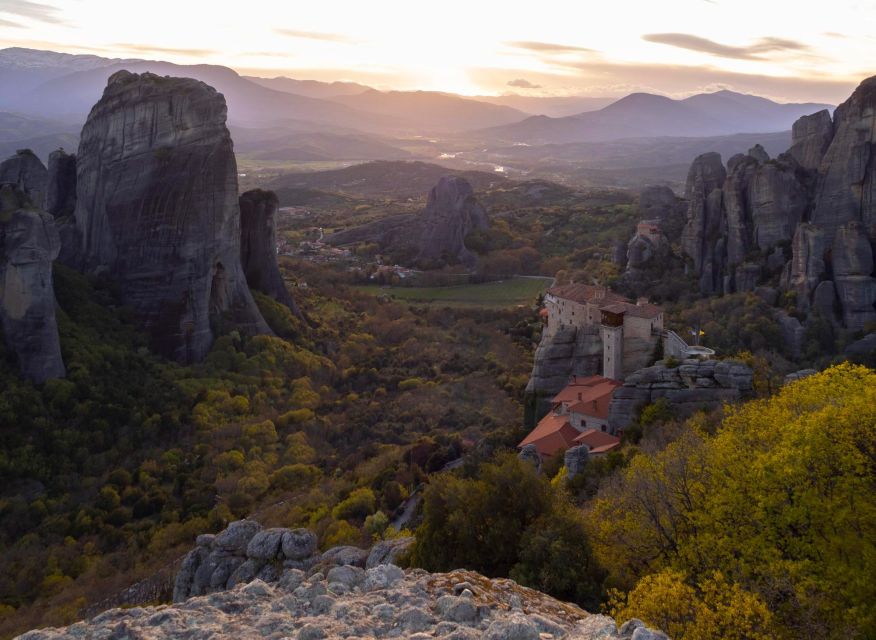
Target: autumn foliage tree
[780, 503]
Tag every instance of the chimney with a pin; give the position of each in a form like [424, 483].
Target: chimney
[642, 301]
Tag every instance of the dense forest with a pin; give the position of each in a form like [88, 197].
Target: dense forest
[337, 420]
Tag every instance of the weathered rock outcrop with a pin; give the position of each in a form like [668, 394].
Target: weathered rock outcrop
[28, 244]
[343, 601]
[705, 219]
[816, 202]
[452, 212]
[689, 387]
[432, 238]
[61, 185]
[760, 205]
[847, 181]
[258, 245]
[569, 351]
[28, 172]
[157, 209]
[810, 138]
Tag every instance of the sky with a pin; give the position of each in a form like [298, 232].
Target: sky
[780, 49]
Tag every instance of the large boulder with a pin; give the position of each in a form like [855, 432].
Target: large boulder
[388, 551]
[157, 209]
[452, 212]
[258, 245]
[28, 173]
[29, 243]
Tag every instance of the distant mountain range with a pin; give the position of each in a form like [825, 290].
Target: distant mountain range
[644, 115]
[284, 120]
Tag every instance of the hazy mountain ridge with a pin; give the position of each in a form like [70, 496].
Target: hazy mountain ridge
[641, 115]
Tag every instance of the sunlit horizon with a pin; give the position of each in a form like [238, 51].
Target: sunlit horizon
[488, 48]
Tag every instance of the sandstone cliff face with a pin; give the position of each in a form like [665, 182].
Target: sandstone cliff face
[61, 184]
[810, 138]
[28, 245]
[847, 171]
[258, 245]
[689, 387]
[26, 171]
[452, 212]
[818, 200]
[569, 351]
[157, 210]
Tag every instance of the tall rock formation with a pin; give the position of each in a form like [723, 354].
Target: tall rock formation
[847, 182]
[61, 184]
[705, 218]
[817, 201]
[452, 212]
[157, 209]
[430, 239]
[28, 172]
[810, 138]
[258, 245]
[28, 245]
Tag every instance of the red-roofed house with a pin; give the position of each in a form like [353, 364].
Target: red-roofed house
[580, 408]
[552, 434]
[598, 441]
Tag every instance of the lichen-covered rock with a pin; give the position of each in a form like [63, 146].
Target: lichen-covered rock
[29, 243]
[266, 544]
[28, 173]
[388, 551]
[345, 554]
[236, 537]
[414, 604]
[157, 210]
[298, 544]
[258, 245]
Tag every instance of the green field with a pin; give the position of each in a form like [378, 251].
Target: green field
[504, 293]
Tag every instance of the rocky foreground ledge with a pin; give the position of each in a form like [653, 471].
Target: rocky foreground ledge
[351, 602]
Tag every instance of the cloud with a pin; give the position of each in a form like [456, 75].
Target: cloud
[547, 47]
[33, 10]
[751, 52]
[9, 23]
[148, 48]
[522, 83]
[315, 35]
[603, 77]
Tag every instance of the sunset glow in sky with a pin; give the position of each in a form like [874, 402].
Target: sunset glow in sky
[777, 48]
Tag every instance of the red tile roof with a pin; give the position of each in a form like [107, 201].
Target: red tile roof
[588, 396]
[552, 434]
[645, 310]
[596, 439]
